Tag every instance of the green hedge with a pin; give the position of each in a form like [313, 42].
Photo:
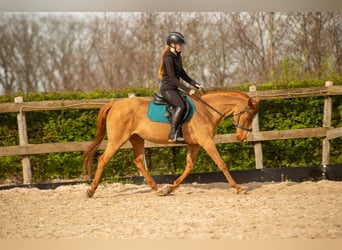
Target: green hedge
[79, 125]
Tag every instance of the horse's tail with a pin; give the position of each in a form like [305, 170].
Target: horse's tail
[89, 153]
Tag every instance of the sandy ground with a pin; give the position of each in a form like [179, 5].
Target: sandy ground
[307, 210]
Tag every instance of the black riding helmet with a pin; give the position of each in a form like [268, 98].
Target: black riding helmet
[175, 37]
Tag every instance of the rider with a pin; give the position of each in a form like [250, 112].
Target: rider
[170, 72]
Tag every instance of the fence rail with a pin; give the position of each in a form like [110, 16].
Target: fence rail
[97, 103]
[32, 149]
[25, 149]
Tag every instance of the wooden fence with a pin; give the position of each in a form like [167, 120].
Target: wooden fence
[25, 149]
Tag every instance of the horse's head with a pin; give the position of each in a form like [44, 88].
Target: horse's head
[243, 118]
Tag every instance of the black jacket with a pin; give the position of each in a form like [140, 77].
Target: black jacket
[173, 71]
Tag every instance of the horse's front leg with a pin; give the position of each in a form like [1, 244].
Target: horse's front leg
[190, 161]
[211, 149]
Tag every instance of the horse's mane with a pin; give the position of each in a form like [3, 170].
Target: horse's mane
[227, 92]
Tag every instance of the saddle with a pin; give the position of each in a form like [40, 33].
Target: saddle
[158, 99]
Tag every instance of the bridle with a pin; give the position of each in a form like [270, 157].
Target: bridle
[224, 117]
[236, 124]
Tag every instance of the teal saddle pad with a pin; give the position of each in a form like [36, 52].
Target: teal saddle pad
[156, 112]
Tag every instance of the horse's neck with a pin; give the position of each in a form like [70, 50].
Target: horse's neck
[236, 94]
[226, 102]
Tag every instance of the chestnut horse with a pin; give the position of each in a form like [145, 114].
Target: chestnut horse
[126, 120]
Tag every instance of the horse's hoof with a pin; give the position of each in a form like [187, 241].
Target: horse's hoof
[164, 191]
[241, 190]
[89, 193]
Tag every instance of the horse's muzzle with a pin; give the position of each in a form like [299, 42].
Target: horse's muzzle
[241, 138]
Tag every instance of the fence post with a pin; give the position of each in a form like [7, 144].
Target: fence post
[257, 145]
[327, 124]
[23, 140]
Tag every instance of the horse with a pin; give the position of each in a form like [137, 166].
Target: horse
[126, 120]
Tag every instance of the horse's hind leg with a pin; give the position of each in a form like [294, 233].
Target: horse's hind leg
[190, 161]
[138, 147]
[102, 162]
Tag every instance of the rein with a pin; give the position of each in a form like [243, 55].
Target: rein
[224, 116]
[208, 105]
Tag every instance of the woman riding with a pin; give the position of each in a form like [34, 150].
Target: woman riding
[170, 72]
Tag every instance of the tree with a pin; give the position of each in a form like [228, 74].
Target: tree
[83, 52]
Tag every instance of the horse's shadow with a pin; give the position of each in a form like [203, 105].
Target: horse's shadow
[198, 186]
[131, 190]
[225, 186]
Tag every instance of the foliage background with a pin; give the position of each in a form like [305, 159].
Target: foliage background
[52, 56]
[79, 125]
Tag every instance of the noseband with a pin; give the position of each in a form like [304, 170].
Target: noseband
[238, 121]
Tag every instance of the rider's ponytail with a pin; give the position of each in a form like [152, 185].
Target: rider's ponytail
[160, 71]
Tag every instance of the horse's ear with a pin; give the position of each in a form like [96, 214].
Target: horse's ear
[256, 101]
[253, 103]
[250, 102]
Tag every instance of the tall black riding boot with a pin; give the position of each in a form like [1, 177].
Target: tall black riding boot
[175, 126]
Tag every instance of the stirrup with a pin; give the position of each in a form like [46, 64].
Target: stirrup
[176, 138]
[180, 139]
